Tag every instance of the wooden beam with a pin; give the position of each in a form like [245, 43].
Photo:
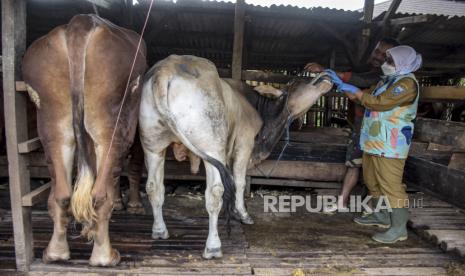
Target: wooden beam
[101, 3]
[13, 47]
[441, 132]
[260, 76]
[239, 23]
[457, 161]
[444, 64]
[300, 170]
[295, 183]
[429, 93]
[339, 36]
[436, 178]
[422, 18]
[390, 12]
[29, 145]
[38, 195]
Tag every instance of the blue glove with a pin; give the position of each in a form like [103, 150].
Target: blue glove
[349, 88]
[334, 77]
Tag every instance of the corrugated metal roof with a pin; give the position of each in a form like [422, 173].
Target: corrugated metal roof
[283, 37]
[276, 37]
[448, 8]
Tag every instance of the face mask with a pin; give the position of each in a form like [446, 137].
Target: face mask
[388, 69]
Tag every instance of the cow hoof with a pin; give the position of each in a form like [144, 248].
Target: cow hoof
[210, 253]
[50, 257]
[247, 220]
[112, 260]
[236, 216]
[118, 205]
[156, 235]
[136, 210]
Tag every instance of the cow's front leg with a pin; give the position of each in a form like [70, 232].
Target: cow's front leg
[241, 161]
[213, 202]
[156, 191]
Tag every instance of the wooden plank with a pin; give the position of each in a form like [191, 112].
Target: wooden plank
[408, 20]
[439, 147]
[391, 271]
[296, 183]
[37, 195]
[457, 161]
[14, 45]
[29, 145]
[316, 171]
[101, 3]
[436, 179]
[430, 93]
[441, 132]
[239, 23]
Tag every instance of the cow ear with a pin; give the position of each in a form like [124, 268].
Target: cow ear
[268, 91]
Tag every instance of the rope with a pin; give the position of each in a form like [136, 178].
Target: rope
[127, 83]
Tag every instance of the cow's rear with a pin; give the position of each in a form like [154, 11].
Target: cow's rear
[77, 76]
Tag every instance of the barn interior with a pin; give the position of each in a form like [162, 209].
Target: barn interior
[258, 45]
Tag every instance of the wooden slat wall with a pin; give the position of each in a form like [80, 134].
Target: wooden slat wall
[440, 132]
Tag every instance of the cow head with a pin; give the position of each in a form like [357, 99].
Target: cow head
[302, 94]
[283, 107]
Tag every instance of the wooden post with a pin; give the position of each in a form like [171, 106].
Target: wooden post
[239, 19]
[387, 16]
[14, 43]
[366, 31]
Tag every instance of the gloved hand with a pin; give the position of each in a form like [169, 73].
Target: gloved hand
[349, 88]
[334, 77]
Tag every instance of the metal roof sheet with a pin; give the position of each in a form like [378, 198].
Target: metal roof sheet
[448, 8]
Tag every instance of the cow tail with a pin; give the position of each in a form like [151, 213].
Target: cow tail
[81, 200]
[229, 195]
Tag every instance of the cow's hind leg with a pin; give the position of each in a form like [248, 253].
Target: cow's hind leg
[155, 160]
[136, 164]
[103, 194]
[118, 204]
[213, 202]
[60, 154]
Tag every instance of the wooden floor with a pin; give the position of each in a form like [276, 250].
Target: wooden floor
[243, 255]
[181, 254]
[440, 223]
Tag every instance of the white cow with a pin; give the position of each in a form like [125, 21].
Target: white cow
[185, 101]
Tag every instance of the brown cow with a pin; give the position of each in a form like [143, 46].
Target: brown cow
[77, 75]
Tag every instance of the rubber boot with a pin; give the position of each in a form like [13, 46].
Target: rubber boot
[380, 219]
[398, 230]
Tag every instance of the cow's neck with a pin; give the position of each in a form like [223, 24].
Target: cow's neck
[274, 114]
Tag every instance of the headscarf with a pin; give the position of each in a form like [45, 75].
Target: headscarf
[406, 59]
